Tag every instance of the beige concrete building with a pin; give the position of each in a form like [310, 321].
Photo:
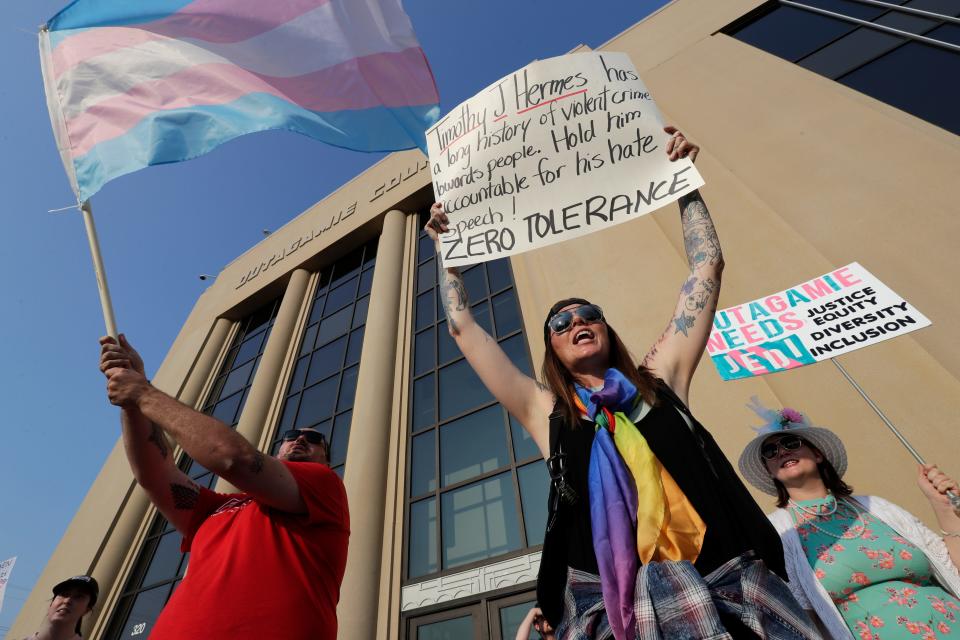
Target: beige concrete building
[827, 139]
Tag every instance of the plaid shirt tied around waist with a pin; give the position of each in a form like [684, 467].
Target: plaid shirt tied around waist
[673, 601]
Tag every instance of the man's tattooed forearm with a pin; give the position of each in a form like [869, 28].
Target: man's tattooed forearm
[256, 464]
[185, 496]
[158, 439]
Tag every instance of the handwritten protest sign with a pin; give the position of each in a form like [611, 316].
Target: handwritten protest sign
[559, 149]
[839, 312]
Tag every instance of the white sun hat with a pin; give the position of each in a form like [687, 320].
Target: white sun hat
[753, 468]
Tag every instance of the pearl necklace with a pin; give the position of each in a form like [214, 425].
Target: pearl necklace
[850, 533]
[816, 510]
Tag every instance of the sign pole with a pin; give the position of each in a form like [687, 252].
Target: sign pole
[111, 324]
[954, 498]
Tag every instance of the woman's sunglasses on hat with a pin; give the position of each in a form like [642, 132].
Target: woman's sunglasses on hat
[561, 321]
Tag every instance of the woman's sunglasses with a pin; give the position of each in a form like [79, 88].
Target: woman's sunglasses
[562, 321]
[313, 437]
[770, 449]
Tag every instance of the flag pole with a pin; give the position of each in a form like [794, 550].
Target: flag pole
[87, 212]
[953, 497]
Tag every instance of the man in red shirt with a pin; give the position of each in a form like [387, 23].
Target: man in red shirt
[265, 563]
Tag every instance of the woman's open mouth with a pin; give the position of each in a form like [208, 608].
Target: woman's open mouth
[583, 334]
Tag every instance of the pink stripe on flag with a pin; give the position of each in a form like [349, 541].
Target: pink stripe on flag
[207, 20]
[384, 79]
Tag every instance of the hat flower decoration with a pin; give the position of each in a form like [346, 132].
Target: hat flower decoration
[777, 420]
[754, 469]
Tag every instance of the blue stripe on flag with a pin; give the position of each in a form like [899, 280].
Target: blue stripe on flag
[182, 134]
[112, 13]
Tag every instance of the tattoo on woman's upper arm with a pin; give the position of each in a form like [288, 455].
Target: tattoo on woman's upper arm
[699, 296]
[648, 359]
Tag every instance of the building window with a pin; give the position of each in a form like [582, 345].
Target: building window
[477, 485]
[901, 56]
[324, 381]
[160, 566]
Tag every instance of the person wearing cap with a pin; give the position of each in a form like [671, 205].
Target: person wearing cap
[863, 566]
[72, 599]
[265, 563]
[641, 495]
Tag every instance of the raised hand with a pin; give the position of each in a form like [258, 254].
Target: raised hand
[123, 366]
[119, 355]
[125, 386]
[438, 221]
[935, 484]
[679, 147]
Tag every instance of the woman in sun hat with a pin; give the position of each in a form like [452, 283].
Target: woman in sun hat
[862, 565]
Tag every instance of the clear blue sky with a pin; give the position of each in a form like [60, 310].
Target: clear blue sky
[159, 229]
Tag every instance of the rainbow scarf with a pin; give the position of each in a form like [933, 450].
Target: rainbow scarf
[637, 511]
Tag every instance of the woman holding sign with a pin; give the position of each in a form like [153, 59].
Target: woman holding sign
[866, 567]
[646, 514]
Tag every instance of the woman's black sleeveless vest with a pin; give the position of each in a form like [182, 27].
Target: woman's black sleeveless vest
[734, 522]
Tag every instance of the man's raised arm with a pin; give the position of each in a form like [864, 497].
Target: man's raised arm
[207, 440]
[148, 451]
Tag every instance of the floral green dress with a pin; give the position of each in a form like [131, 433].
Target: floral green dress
[879, 581]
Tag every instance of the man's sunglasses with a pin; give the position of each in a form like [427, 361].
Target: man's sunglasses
[313, 437]
[770, 449]
[562, 321]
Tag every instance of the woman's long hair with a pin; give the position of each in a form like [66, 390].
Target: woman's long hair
[831, 479]
[561, 381]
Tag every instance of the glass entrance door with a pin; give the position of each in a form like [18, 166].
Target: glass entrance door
[491, 618]
[506, 614]
[462, 623]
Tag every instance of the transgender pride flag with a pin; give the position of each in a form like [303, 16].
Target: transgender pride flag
[132, 83]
